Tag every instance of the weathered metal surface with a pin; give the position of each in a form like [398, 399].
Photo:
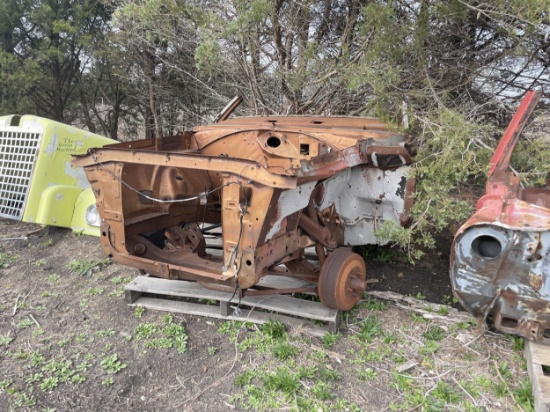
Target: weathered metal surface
[275, 184]
[342, 279]
[500, 261]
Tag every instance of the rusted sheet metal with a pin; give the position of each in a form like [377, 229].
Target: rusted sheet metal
[276, 185]
[500, 261]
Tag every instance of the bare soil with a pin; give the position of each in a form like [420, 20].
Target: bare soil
[60, 332]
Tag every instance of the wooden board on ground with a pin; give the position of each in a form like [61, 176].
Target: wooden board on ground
[537, 356]
[253, 308]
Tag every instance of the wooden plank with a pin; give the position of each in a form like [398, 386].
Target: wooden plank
[538, 355]
[214, 312]
[283, 304]
[282, 282]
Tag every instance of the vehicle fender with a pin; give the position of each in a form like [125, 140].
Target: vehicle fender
[57, 205]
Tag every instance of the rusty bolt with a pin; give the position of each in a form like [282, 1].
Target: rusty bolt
[139, 249]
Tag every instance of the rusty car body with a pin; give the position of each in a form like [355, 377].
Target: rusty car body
[276, 186]
[500, 260]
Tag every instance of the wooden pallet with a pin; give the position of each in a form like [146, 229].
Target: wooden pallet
[537, 356]
[303, 312]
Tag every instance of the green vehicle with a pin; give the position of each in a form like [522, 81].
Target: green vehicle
[38, 184]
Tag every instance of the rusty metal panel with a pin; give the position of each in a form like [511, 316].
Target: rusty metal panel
[275, 185]
[500, 261]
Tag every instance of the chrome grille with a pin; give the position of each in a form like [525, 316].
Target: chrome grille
[17, 155]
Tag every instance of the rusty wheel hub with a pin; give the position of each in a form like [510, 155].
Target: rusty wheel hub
[342, 279]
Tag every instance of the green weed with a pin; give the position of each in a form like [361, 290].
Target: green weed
[25, 323]
[373, 304]
[443, 311]
[284, 350]
[94, 291]
[370, 328]
[40, 262]
[6, 383]
[86, 267]
[429, 347]
[22, 399]
[6, 260]
[107, 381]
[49, 384]
[47, 243]
[435, 333]
[330, 339]
[282, 380]
[5, 340]
[244, 378]
[112, 364]
[105, 332]
[139, 311]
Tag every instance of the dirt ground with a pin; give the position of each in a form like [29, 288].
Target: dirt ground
[69, 342]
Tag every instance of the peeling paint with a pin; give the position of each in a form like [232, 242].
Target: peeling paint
[507, 244]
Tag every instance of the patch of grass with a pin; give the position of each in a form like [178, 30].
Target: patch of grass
[5, 340]
[517, 342]
[139, 311]
[25, 323]
[244, 378]
[53, 278]
[36, 358]
[282, 380]
[379, 254]
[170, 335]
[330, 339]
[6, 260]
[117, 292]
[418, 318]
[112, 364]
[322, 391]
[208, 301]
[119, 280]
[273, 329]
[49, 384]
[429, 347]
[86, 267]
[22, 399]
[35, 377]
[435, 333]
[107, 381]
[523, 395]
[47, 243]
[443, 310]
[367, 374]
[6, 383]
[94, 291]
[105, 332]
[373, 304]
[284, 350]
[450, 300]
[370, 328]
[329, 374]
[212, 350]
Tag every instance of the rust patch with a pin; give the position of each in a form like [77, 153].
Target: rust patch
[236, 175]
[512, 228]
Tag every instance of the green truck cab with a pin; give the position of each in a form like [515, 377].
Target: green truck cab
[38, 184]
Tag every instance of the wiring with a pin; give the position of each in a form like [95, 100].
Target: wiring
[243, 209]
[236, 270]
[154, 199]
